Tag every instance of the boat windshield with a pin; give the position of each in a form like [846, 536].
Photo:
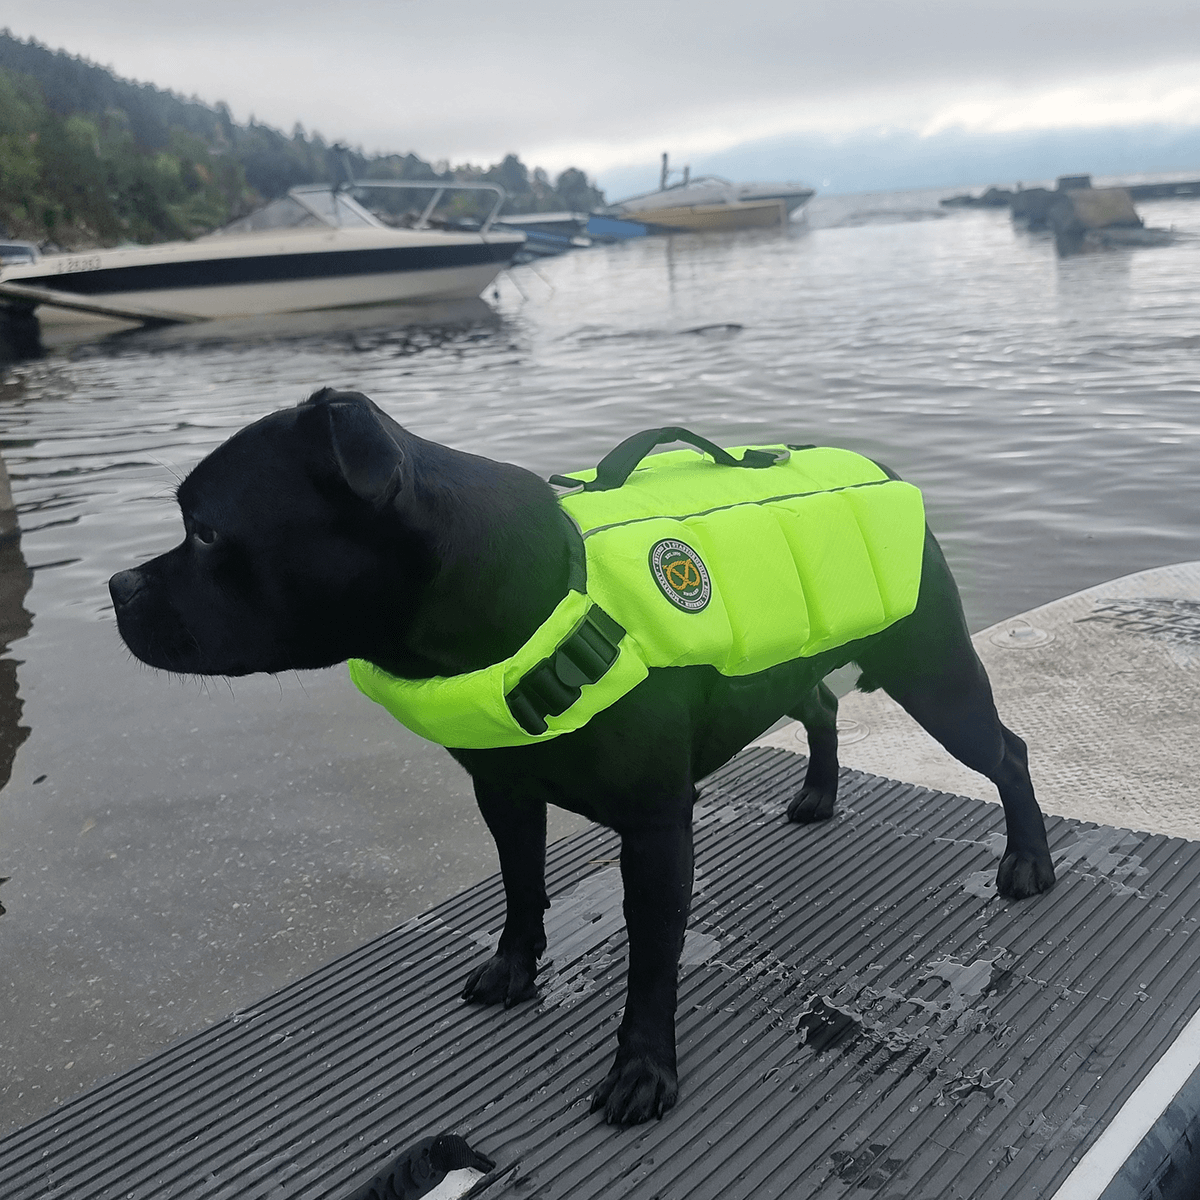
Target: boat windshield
[334, 208]
[303, 208]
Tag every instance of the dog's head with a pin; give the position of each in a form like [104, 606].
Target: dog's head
[294, 540]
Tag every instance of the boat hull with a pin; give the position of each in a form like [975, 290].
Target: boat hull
[264, 299]
[218, 278]
[753, 214]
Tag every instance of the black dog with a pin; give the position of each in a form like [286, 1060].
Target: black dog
[326, 532]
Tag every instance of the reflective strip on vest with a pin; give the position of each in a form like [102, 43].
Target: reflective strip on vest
[702, 564]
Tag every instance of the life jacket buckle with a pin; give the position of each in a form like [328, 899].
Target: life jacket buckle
[564, 485]
[773, 454]
[554, 684]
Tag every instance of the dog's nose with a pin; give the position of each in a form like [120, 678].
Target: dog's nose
[123, 586]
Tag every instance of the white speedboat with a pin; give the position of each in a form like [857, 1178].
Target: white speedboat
[709, 202]
[315, 248]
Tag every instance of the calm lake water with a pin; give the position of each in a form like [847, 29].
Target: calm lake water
[177, 850]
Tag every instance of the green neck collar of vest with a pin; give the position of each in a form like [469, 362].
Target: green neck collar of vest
[476, 704]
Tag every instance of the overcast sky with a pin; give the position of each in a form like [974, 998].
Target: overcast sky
[608, 85]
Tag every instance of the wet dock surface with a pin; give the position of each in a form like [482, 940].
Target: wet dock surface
[857, 1011]
[177, 868]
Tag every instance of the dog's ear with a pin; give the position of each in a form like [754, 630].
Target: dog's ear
[367, 456]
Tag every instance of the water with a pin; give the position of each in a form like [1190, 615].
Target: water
[178, 849]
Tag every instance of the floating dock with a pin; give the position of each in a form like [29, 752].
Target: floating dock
[859, 1015]
[858, 1011]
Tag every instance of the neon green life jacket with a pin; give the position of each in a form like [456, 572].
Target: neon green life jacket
[685, 562]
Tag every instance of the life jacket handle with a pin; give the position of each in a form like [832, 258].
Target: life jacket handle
[618, 464]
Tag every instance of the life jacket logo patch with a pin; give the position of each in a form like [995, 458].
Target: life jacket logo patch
[680, 574]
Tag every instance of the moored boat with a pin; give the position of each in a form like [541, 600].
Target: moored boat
[559, 224]
[548, 234]
[709, 202]
[315, 248]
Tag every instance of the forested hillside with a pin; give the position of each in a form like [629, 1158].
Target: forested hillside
[88, 159]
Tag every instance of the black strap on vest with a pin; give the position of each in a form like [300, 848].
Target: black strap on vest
[617, 465]
[555, 683]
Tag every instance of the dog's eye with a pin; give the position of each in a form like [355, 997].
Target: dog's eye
[204, 535]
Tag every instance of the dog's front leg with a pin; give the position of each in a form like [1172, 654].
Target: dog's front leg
[656, 869]
[519, 827]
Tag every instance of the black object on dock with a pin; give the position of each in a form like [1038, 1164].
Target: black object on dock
[859, 1014]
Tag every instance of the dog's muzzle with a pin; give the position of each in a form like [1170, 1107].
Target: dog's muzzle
[124, 586]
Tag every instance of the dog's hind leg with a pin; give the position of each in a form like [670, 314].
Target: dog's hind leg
[959, 713]
[519, 827]
[926, 662]
[817, 712]
[656, 870]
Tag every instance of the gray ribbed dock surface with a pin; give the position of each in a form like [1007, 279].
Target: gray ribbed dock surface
[859, 1015]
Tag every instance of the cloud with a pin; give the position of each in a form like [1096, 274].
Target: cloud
[620, 84]
[1168, 95]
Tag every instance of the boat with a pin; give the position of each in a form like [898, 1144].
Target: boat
[548, 234]
[17, 252]
[559, 224]
[567, 230]
[316, 247]
[604, 228]
[710, 202]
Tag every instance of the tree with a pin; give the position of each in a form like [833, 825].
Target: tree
[89, 159]
[512, 175]
[577, 194]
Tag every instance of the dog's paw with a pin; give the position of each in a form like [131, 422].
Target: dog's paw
[811, 805]
[636, 1089]
[1023, 875]
[503, 979]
